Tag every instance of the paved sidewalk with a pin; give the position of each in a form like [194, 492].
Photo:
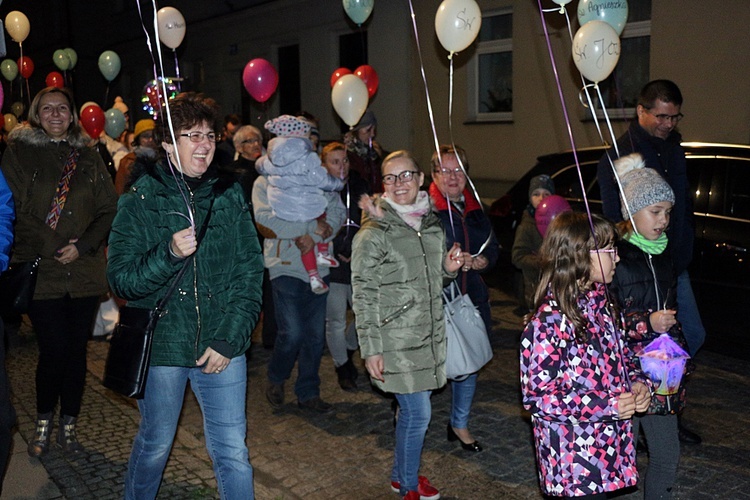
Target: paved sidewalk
[347, 455]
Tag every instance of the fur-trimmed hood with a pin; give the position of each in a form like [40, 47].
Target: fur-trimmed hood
[36, 136]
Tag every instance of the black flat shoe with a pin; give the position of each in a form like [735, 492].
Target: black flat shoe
[473, 447]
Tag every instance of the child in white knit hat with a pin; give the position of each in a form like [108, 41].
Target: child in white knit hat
[645, 285]
[299, 187]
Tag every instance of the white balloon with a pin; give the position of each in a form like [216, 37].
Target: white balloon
[171, 26]
[561, 3]
[596, 50]
[17, 25]
[349, 97]
[457, 24]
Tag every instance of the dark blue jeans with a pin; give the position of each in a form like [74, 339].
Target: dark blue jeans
[300, 322]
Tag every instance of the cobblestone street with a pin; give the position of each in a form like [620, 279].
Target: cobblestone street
[347, 455]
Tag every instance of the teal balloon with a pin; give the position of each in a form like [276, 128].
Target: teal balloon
[72, 56]
[114, 122]
[9, 69]
[358, 10]
[612, 12]
[61, 60]
[109, 64]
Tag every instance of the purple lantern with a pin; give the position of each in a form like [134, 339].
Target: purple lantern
[664, 363]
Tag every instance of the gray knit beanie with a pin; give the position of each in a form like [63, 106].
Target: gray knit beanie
[642, 186]
[541, 181]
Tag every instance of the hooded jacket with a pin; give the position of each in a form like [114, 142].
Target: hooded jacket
[217, 303]
[32, 165]
[397, 279]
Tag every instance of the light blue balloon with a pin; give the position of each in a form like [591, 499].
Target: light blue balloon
[114, 122]
[109, 64]
[358, 10]
[612, 12]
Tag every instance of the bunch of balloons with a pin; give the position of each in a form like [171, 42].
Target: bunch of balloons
[365, 72]
[260, 79]
[65, 59]
[358, 10]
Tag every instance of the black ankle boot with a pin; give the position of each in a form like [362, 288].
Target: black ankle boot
[345, 381]
[39, 445]
[66, 435]
[353, 373]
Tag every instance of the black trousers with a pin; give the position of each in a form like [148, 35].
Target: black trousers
[7, 412]
[62, 328]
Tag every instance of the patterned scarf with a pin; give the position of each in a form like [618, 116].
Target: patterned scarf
[61, 194]
[412, 214]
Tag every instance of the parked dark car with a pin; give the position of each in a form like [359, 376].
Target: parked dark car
[719, 176]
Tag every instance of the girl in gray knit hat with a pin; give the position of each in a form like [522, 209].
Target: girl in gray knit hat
[645, 286]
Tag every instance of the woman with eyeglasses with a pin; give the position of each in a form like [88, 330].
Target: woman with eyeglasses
[465, 223]
[399, 262]
[65, 203]
[182, 208]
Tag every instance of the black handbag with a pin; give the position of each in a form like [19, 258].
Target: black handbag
[17, 285]
[129, 356]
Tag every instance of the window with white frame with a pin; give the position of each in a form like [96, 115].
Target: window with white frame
[490, 72]
[620, 91]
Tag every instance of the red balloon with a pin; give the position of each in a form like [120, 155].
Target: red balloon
[338, 74]
[368, 75]
[260, 79]
[92, 121]
[55, 79]
[25, 67]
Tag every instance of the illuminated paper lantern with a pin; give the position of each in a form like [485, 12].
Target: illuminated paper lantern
[664, 363]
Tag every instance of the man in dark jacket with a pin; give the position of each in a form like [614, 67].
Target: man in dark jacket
[653, 135]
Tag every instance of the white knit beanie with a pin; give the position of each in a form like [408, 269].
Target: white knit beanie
[642, 186]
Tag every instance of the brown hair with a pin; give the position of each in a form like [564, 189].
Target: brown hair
[74, 130]
[565, 260]
[189, 109]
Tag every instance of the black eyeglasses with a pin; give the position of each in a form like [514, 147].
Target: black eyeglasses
[404, 176]
[664, 117]
[198, 136]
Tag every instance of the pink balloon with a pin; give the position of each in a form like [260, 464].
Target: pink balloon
[548, 209]
[260, 79]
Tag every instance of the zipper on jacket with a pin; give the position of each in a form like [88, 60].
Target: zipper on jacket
[429, 295]
[401, 310]
[195, 285]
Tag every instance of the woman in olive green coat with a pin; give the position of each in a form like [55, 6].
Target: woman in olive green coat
[399, 263]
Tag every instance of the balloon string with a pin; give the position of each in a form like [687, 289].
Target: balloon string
[177, 71]
[424, 79]
[20, 48]
[106, 96]
[161, 80]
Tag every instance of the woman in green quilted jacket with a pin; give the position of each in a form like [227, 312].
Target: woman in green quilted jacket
[399, 262]
[206, 326]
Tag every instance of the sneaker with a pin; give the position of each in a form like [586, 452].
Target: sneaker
[425, 490]
[326, 260]
[318, 286]
[275, 395]
[316, 404]
[412, 495]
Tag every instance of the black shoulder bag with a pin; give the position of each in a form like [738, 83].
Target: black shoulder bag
[129, 354]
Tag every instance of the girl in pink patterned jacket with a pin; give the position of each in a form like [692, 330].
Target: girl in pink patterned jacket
[577, 378]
